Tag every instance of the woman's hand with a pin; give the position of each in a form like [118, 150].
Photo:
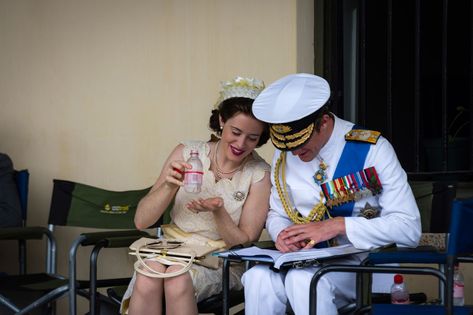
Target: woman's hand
[175, 173]
[205, 205]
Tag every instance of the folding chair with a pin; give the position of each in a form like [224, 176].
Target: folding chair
[434, 200]
[75, 204]
[431, 197]
[459, 249]
[23, 234]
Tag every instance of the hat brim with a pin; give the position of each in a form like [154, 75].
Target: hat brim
[291, 136]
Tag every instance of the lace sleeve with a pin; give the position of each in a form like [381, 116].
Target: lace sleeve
[257, 167]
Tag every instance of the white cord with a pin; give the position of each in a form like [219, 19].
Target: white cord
[165, 260]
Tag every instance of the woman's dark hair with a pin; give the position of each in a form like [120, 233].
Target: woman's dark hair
[229, 108]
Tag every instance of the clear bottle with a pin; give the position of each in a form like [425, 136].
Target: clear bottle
[399, 292]
[193, 176]
[458, 287]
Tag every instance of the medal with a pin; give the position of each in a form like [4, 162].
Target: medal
[368, 211]
[320, 176]
[351, 187]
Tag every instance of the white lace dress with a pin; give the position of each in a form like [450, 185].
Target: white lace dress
[234, 192]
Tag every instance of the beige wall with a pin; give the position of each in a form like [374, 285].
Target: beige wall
[100, 91]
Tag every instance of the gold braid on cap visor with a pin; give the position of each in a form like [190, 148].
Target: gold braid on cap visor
[318, 211]
[282, 141]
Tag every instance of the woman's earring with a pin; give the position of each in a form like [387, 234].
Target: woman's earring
[221, 127]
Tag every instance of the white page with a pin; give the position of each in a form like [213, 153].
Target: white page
[273, 255]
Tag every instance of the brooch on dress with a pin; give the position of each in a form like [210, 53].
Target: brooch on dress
[238, 195]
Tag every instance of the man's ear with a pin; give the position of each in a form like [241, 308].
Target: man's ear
[324, 121]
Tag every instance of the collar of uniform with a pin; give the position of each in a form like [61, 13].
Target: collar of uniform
[337, 138]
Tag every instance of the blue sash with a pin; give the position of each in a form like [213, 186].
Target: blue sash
[352, 160]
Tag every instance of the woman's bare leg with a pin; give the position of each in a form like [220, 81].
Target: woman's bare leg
[147, 296]
[179, 293]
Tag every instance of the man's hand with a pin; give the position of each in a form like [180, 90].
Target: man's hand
[283, 244]
[313, 231]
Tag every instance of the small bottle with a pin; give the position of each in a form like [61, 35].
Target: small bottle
[193, 176]
[399, 293]
[458, 287]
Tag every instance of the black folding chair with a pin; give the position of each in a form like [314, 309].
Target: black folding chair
[79, 205]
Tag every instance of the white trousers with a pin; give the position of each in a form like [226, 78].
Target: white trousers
[267, 292]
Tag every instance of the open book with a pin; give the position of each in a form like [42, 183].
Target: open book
[308, 256]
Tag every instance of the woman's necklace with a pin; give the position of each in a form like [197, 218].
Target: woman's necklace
[318, 211]
[219, 172]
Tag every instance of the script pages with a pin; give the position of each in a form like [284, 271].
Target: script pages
[278, 259]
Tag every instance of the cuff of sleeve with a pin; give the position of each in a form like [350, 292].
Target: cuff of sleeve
[353, 228]
[275, 228]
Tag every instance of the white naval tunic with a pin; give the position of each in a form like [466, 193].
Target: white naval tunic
[398, 222]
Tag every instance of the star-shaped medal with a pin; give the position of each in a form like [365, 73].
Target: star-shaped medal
[369, 211]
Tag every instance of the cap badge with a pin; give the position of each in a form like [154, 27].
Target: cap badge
[281, 128]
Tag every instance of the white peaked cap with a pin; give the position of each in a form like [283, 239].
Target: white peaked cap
[291, 98]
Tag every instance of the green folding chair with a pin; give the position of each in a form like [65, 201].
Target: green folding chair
[79, 205]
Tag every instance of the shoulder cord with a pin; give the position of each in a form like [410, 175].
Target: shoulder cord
[318, 211]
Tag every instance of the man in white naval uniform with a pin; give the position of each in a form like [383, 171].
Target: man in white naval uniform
[332, 184]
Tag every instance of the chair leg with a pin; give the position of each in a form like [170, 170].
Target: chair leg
[6, 302]
[22, 256]
[441, 287]
[226, 285]
[53, 295]
[93, 309]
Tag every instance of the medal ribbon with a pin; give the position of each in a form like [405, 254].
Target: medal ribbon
[351, 161]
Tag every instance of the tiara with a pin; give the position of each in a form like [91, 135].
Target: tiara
[240, 87]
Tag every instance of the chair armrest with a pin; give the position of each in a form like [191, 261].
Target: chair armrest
[418, 255]
[24, 233]
[93, 238]
[122, 241]
[465, 259]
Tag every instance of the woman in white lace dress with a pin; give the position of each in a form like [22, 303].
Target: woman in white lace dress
[232, 205]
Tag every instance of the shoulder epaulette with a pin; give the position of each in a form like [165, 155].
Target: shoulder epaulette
[363, 135]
